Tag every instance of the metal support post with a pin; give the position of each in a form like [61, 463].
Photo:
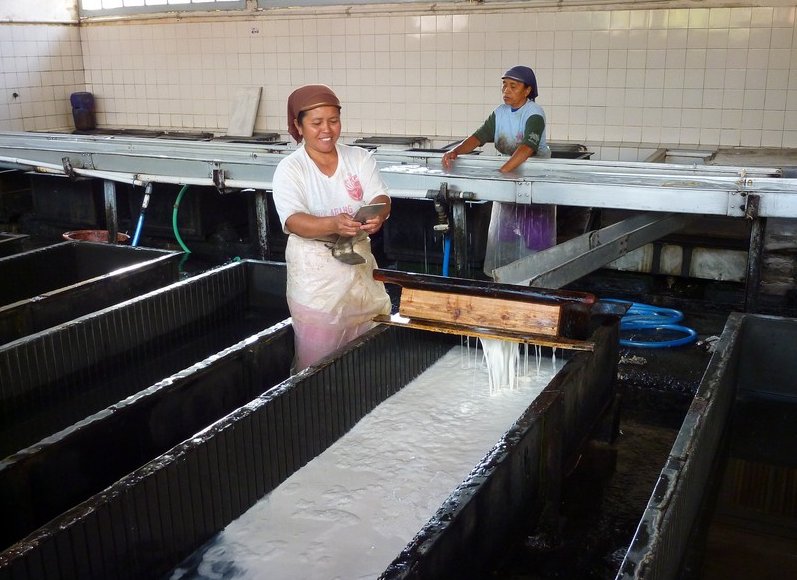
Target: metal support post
[459, 239]
[111, 219]
[754, 254]
[261, 224]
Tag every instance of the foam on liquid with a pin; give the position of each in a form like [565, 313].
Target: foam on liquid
[350, 511]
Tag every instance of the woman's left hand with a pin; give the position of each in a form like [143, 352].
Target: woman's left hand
[373, 225]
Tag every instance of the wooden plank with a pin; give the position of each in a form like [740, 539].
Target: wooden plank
[481, 311]
[493, 333]
[573, 308]
[484, 288]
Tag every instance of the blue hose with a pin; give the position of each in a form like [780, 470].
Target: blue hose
[446, 254]
[647, 317]
[140, 223]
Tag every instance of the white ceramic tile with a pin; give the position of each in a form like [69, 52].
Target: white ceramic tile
[772, 138]
[635, 79]
[791, 100]
[636, 58]
[718, 38]
[752, 120]
[775, 100]
[754, 100]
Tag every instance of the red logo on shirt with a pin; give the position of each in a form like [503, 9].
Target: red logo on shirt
[354, 187]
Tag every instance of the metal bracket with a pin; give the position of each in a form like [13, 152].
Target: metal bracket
[737, 202]
[524, 192]
[218, 178]
[68, 169]
[87, 161]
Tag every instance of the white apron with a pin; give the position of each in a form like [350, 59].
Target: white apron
[331, 303]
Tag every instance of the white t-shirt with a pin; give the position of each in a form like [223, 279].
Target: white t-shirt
[300, 187]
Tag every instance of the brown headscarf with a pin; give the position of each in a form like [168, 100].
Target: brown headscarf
[306, 98]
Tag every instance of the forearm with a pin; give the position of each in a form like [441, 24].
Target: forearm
[466, 146]
[520, 155]
[311, 226]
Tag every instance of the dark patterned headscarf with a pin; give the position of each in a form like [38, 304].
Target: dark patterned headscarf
[306, 98]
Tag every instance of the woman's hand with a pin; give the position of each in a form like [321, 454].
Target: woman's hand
[345, 225]
[373, 225]
[448, 158]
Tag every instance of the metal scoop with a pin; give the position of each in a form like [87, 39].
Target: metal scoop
[343, 250]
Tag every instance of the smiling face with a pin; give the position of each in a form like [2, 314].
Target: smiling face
[514, 92]
[320, 128]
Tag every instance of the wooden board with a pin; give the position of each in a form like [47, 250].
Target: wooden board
[492, 333]
[487, 304]
[481, 311]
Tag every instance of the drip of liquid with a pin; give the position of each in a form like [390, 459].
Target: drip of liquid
[501, 358]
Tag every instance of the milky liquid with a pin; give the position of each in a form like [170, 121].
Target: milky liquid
[349, 512]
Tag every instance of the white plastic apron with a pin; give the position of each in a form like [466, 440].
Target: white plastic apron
[331, 303]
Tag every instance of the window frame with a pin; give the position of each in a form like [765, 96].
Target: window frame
[203, 6]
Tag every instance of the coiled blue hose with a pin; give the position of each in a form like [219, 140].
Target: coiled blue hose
[648, 317]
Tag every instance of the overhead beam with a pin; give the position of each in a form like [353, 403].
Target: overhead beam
[690, 189]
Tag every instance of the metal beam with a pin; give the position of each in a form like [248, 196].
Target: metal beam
[691, 189]
[570, 260]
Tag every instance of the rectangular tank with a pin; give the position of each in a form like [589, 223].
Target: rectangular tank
[155, 371]
[11, 243]
[52, 379]
[148, 521]
[735, 454]
[57, 283]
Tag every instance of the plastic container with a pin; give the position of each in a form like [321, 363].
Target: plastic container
[94, 236]
[83, 111]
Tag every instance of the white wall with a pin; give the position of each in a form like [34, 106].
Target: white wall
[42, 65]
[608, 78]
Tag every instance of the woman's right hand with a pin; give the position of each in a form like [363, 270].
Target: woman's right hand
[345, 225]
[448, 158]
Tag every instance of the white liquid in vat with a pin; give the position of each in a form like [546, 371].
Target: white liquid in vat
[349, 512]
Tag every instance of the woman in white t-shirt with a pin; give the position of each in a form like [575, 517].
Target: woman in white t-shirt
[517, 128]
[317, 190]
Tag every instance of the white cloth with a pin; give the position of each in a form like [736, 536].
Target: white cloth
[331, 302]
[300, 187]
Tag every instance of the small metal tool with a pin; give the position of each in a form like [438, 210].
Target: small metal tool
[343, 250]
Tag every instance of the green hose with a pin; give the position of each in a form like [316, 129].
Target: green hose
[174, 219]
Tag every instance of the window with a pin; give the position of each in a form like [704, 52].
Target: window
[121, 7]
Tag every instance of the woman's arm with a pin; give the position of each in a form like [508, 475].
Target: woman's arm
[466, 146]
[310, 226]
[522, 153]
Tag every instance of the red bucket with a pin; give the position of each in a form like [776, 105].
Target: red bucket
[94, 236]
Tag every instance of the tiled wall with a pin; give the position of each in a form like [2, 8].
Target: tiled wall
[42, 65]
[610, 78]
